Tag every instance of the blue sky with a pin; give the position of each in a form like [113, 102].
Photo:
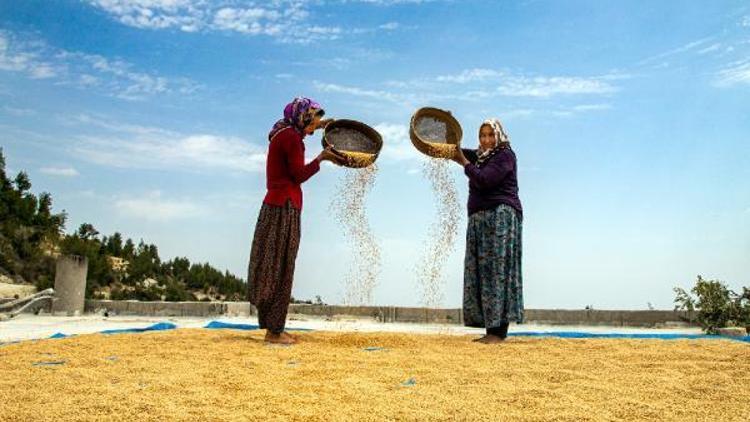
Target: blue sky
[629, 119]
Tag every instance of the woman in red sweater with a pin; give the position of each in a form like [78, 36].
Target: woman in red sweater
[277, 232]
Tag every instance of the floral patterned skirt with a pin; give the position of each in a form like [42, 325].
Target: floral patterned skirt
[270, 272]
[493, 285]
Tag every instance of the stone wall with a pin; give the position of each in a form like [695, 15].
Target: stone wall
[389, 313]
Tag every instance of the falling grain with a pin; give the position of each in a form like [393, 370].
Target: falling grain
[442, 233]
[349, 210]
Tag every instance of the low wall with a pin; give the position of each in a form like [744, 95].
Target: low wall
[389, 313]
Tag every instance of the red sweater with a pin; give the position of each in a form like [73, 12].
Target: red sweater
[286, 169]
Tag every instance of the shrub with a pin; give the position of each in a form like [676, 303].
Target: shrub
[714, 305]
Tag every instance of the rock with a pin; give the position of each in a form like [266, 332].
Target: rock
[11, 290]
[15, 279]
[149, 282]
[732, 332]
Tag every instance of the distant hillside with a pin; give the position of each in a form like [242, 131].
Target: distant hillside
[31, 238]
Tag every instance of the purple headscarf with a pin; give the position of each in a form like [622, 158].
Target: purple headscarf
[297, 114]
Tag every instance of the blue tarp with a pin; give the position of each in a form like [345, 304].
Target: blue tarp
[574, 334]
[161, 326]
[561, 334]
[217, 325]
[59, 335]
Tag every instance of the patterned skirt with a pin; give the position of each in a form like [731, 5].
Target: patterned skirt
[493, 286]
[270, 272]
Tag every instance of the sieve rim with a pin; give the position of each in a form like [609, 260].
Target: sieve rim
[424, 146]
[361, 127]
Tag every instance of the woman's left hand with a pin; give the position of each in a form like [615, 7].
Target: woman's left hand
[324, 123]
[459, 157]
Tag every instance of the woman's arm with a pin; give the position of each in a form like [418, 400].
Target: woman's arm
[493, 173]
[470, 154]
[295, 156]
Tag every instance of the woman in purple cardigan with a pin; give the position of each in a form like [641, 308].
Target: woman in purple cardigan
[493, 288]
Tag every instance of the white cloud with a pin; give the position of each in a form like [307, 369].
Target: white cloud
[542, 86]
[141, 147]
[88, 80]
[251, 21]
[37, 60]
[359, 92]
[471, 75]
[18, 111]
[675, 51]
[710, 48]
[124, 81]
[592, 107]
[155, 14]
[154, 207]
[478, 83]
[396, 143]
[102, 122]
[353, 55]
[60, 171]
[515, 113]
[745, 21]
[42, 71]
[389, 2]
[473, 85]
[285, 20]
[735, 73]
[18, 56]
[390, 26]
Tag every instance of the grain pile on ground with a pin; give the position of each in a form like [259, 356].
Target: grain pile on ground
[442, 232]
[231, 375]
[349, 209]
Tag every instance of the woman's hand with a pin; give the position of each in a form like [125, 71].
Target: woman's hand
[330, 154]
[324, 123]
[459, 157]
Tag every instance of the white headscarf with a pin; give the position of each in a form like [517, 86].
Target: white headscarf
[501, 140]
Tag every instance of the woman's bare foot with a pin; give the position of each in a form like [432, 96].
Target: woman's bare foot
[283, 338]
[491, 339]
[294, 336]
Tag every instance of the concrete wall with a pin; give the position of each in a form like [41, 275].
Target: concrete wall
[389, 313]
[70, 285]
[134, 307]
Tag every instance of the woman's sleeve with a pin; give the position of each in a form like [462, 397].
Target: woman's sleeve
[470, 154]
[295, 156]
[493, 173]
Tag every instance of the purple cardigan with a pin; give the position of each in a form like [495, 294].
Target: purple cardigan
[495, 183]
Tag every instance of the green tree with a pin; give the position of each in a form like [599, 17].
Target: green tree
[28, 229]
[714, 305]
